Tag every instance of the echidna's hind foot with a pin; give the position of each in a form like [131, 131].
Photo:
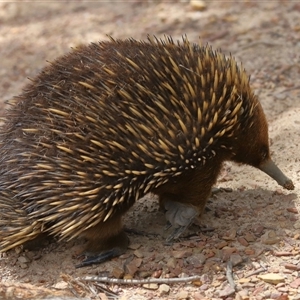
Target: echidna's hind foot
[179, 216]
[101, 257]
[105, 241]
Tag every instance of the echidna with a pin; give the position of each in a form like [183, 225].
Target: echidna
[109, 122]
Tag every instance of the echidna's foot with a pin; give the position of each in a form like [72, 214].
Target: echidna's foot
[179, 216]
[176, 233]
[101, 257]
[101, 248]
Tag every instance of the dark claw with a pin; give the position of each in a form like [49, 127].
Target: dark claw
[177, 232]
[100, 258]
[167, 226]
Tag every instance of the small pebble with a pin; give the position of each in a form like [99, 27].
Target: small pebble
[18, 249]
[222, 244]
[249, 251]
[199, 296]
[291, 266]
[156, 274]
[23, 259]
[138, 253]
[172, 262]
[248, 285]
[197, 282]
[257, 229]
[226, 292]
[282, 290]
[132, 267]
[292, 210]
[244, 280]
[242, 295]
[198, 5]
[164, 289]
[227, 252]
[275, 295]
[182, 295]
[205, 278]
[151, 286]
[23, 266]
[182, 253]
[204, 287]
[230, 235]
[270, 238]
[61, 285]
[235, 259]
[243, 241]
[145, 274]
[249, 237]
[296, 224]
[271, 278]
[134, 246]
[295, 284]
[118, 272]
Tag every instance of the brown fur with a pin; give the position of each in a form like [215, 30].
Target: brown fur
[106, 236]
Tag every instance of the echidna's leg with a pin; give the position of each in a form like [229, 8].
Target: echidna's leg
[105, 241]
[185, 199]
[179, 216]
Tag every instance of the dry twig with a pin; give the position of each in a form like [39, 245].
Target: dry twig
[140, 281]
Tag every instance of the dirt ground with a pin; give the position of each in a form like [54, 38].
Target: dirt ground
[255, 226]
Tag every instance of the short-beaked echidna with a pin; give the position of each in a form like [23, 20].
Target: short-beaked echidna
[109, 122]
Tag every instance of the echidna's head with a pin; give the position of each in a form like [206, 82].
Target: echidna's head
[253, 145]
[253, 148]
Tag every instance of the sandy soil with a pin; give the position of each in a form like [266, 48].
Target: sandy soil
[256, 226]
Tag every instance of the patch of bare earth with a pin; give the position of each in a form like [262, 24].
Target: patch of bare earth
[253, 230]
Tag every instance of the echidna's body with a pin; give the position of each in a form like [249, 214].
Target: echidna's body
[110, 122]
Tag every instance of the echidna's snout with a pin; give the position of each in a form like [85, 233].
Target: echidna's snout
[273, 171]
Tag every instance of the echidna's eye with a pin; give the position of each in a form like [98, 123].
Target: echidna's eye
[264, 153]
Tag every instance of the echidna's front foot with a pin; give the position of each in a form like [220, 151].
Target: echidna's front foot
[179, 216]
[101, 257]
[176, 232]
